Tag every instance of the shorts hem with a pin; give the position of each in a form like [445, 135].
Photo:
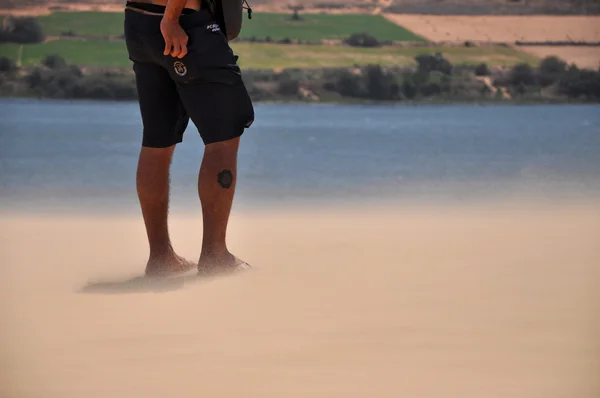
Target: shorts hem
[223, 138]
[147, 144]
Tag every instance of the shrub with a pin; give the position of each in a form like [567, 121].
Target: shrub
[288, 87]
[580, 83]
[380, 85]
[409, 88]
[522, 75]
[54, 62]
[482, 70]
[362, 39]
[551, 70]
[431, 89]
[7, 65]
[24, 30]
[349, 85]
[431, 63]
[57, 79]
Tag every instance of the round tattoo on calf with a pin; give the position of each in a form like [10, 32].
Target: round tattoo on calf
[225, 179]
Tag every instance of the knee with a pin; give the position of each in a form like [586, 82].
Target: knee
[220, 161]
[222, 153]
[156, 156]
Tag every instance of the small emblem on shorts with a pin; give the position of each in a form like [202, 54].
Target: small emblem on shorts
[180, 68]
[213, 27]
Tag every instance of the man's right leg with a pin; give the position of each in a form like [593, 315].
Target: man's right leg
[153, 192]
[164, 120]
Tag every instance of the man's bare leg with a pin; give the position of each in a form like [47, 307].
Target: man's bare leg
[153, 193]
[216, 188]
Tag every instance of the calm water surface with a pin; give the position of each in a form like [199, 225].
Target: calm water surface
[59, 155]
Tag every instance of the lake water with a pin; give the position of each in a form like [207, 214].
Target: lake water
[82, 155]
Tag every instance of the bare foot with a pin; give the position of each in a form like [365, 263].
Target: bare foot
[225, 263]
[169, 265]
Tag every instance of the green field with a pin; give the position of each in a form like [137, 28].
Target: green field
[92, 23]
[269, 56]
[80, 52]
[324, 26]
[277, 26]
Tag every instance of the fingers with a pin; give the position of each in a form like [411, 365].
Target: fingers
[184, 50]
[180, 47]
[177, 47]
[168, 45]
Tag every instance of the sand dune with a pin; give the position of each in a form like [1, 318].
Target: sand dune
[479, 301]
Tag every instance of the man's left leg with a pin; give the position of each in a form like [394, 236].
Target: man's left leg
[214, 95]
[216, 188]
[222, 113]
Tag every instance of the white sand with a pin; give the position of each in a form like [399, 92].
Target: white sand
[482, 302]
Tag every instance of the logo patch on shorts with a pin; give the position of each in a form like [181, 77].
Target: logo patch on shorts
[213, 27]
[180, 68]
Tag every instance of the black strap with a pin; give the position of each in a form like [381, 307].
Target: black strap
[248, 8]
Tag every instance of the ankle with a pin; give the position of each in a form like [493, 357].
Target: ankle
[162, 252]
[215, 252]
[218, 260]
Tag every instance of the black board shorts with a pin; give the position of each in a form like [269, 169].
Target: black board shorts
[205, 86]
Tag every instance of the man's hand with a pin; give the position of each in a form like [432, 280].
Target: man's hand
[175, 38]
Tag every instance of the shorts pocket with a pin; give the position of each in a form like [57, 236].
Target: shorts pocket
[209, 58]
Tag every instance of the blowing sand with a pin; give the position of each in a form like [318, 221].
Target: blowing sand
[480, 301]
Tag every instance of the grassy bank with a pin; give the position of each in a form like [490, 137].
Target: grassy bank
[102, 53]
